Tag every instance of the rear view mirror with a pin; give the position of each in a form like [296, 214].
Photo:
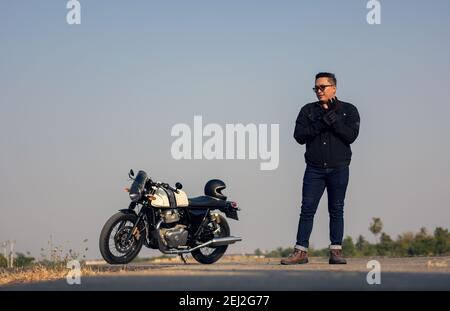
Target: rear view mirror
[178, 186]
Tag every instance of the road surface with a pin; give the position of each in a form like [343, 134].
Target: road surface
[261, 274]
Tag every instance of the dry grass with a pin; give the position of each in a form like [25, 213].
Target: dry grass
[37, 273]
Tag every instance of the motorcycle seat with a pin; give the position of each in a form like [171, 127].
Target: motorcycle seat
[206, 201]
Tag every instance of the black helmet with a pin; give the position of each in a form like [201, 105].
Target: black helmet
[214, 189]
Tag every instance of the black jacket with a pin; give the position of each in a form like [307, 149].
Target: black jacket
[327, 146]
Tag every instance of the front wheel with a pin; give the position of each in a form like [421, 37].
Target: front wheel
[115, 246]
[209, 255]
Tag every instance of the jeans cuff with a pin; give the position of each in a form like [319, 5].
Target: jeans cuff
[302, 248]
[335, 246]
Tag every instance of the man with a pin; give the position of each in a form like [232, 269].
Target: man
[327, 127]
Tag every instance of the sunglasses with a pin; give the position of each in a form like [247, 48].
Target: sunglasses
[321, 88]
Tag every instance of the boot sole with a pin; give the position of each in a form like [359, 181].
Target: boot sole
[294, 263]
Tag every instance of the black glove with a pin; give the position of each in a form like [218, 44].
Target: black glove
[330, 117]
[333, 103]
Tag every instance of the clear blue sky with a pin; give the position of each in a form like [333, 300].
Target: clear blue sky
[80, 105]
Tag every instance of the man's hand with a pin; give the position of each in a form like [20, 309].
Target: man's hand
[330, 117]
[332, 104]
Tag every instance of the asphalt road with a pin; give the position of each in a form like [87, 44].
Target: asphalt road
[396, 274]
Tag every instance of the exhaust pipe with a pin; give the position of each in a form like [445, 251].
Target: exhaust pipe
[214, 243]
[225, 241]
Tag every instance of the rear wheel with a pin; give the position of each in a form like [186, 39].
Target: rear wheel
[209, 255]
[115, 246]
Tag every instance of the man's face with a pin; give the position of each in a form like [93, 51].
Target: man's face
[325, 89]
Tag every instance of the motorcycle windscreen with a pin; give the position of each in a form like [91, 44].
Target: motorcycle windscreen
[137, 187]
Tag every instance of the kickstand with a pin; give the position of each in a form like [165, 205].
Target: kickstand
[184, 259]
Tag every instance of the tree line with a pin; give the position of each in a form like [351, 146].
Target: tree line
[407, 244]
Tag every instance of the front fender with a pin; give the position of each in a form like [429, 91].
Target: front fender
[128, 211]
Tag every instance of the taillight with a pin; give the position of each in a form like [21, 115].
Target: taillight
[234, 205]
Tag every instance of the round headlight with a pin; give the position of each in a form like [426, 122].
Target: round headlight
[134, 196]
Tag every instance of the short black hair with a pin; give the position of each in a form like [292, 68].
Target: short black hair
[331, 76]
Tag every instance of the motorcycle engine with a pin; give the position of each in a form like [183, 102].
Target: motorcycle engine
[170, 216]
[174, 237]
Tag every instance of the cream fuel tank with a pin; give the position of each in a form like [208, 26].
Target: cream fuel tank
[161, 199]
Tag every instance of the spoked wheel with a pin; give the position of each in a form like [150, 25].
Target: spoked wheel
[209, 255]
[117, 245]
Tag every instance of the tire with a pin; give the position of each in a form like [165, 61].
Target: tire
[218, 251]
[104, 241]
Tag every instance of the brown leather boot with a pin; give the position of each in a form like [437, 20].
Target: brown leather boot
[297, 257]
[336, 257]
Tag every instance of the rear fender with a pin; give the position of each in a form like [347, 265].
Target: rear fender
[230, 211]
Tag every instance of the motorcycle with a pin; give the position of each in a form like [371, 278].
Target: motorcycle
[162, 217]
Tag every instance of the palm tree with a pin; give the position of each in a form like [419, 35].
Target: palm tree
[375, 227]
[360, 243]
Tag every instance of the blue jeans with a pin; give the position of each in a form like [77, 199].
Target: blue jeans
[315, 181]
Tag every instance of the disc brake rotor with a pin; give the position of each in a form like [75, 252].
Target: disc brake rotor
[122, 243]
